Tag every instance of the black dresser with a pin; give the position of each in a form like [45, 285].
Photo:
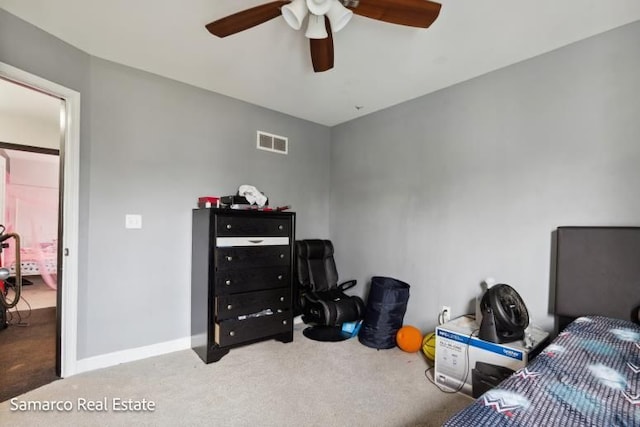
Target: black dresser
[241, 279]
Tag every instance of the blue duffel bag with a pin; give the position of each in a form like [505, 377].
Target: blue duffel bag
[384, 313]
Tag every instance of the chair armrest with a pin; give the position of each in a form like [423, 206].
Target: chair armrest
[347, 285]
[309, 295]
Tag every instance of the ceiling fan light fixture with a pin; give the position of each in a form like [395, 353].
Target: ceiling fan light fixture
[339, 16]
[294, 13]
[316, 28]
[319, 7]
[324, 17]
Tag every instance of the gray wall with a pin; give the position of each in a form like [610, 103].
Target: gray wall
[156, 146]
[470, 182]
[151, 146]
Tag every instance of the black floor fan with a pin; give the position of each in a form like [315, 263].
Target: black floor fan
[504, 315]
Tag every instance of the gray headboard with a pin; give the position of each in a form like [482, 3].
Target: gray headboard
[597, 271]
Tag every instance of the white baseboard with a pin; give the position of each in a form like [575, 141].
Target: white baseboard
[130, 355]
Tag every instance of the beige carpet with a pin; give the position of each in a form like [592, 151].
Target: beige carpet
[303, 383]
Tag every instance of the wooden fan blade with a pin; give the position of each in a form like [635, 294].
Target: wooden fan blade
[322, 51]
[413, 13]
[246, 19]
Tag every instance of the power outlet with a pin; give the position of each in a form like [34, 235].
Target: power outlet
[445, 314]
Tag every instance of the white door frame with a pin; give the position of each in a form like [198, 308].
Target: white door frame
[70, 119]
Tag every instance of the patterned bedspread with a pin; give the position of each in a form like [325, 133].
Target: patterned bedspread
[33, 260]
[588, 376]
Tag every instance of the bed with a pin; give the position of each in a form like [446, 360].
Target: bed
[34, 260]
[590, 373]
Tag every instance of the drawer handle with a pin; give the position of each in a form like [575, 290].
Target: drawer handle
[228, 226]
[279, 276]
[281, 299]
[281, 256]
[229, 258]
[227, 282]
[229, 307]
[232, 334]
[281, 227]
[256, 241]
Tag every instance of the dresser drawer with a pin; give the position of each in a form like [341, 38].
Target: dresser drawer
[230, 332]
[251, 279]
[245, 257]
[226, 242]
[250, 226]
[230, 306]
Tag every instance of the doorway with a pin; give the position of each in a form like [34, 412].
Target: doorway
[68, 215]
[29, 204]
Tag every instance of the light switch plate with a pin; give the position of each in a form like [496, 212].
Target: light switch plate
[132, 221]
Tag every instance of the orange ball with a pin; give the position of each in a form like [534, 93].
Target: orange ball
[409, 339]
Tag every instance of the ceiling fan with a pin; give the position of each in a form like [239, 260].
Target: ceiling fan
[325, 17]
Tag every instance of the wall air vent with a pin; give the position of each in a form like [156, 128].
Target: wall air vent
[274, 143]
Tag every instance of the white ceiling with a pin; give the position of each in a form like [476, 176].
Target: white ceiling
[377, 64]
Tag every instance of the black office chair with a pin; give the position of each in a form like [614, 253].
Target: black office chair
[322, 302]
